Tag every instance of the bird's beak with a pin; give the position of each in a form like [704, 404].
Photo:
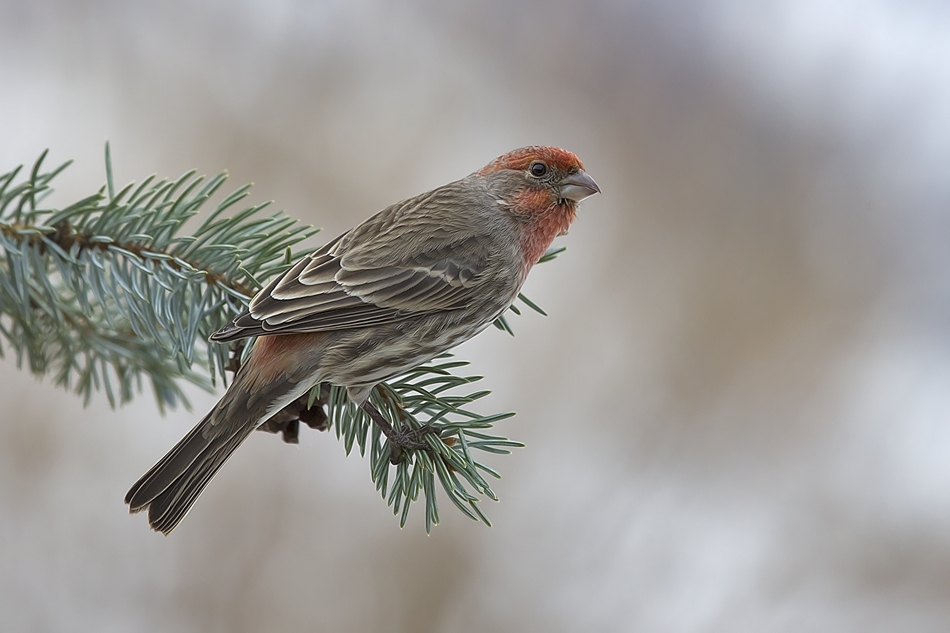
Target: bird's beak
[577, 186]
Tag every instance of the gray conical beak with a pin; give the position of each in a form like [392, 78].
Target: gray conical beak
[577, 186]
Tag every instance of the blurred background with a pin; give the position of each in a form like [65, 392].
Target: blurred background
[737, 414]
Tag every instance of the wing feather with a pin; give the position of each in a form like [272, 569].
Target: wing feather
[398, 264]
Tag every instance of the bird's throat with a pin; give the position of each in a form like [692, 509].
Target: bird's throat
[542, 227]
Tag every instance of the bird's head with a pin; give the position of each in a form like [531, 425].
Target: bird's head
[533, 179]
[541, 187]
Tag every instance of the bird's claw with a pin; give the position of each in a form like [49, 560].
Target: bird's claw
[400, 440]
[413, 439]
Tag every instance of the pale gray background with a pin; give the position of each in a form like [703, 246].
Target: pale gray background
[737, 414]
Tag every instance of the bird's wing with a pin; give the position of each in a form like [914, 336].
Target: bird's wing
[407, 260]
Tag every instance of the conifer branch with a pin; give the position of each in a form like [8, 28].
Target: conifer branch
[111, 291]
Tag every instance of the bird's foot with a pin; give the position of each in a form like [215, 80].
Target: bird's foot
[399, 441]
[413, 439]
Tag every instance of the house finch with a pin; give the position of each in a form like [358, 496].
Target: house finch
[412, 281]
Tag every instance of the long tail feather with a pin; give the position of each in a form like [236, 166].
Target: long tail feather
[170, 487]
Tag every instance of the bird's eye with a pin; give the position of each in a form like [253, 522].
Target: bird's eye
[538, 169]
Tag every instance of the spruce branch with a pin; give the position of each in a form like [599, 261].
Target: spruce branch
[110, 292]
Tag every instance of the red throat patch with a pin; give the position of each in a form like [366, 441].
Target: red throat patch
[543, 225]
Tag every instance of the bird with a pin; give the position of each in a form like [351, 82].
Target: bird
[405, 285]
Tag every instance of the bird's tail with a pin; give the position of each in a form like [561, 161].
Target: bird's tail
[170, 488]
